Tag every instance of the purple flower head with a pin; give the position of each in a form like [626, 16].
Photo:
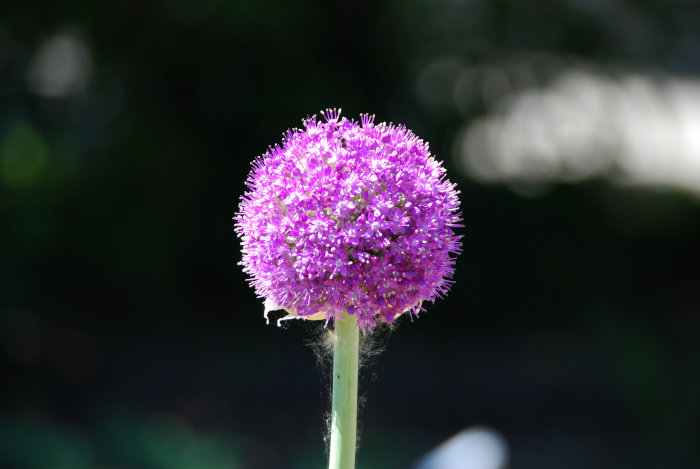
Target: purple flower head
[348, 217]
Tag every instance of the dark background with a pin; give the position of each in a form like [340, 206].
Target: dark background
[130, 339]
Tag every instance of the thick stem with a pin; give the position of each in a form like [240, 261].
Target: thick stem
[344, 407]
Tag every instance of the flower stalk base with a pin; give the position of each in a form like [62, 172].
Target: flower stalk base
[344, 406]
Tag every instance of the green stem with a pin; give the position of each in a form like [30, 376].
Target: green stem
[344, 407]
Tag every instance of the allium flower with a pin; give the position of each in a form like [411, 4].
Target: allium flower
[348, 217]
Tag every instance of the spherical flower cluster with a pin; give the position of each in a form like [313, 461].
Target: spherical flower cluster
[348, 217]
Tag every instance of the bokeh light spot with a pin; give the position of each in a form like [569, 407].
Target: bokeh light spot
[632, 128]
[473, 448]
[23, 156]
[61, 67]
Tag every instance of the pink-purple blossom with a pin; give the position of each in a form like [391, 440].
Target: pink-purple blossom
[348, 217]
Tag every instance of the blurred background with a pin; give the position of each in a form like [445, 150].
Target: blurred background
[129, 338]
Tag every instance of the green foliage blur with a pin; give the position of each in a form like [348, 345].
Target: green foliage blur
[129, 338]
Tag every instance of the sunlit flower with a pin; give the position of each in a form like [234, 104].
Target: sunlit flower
[348, 217]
